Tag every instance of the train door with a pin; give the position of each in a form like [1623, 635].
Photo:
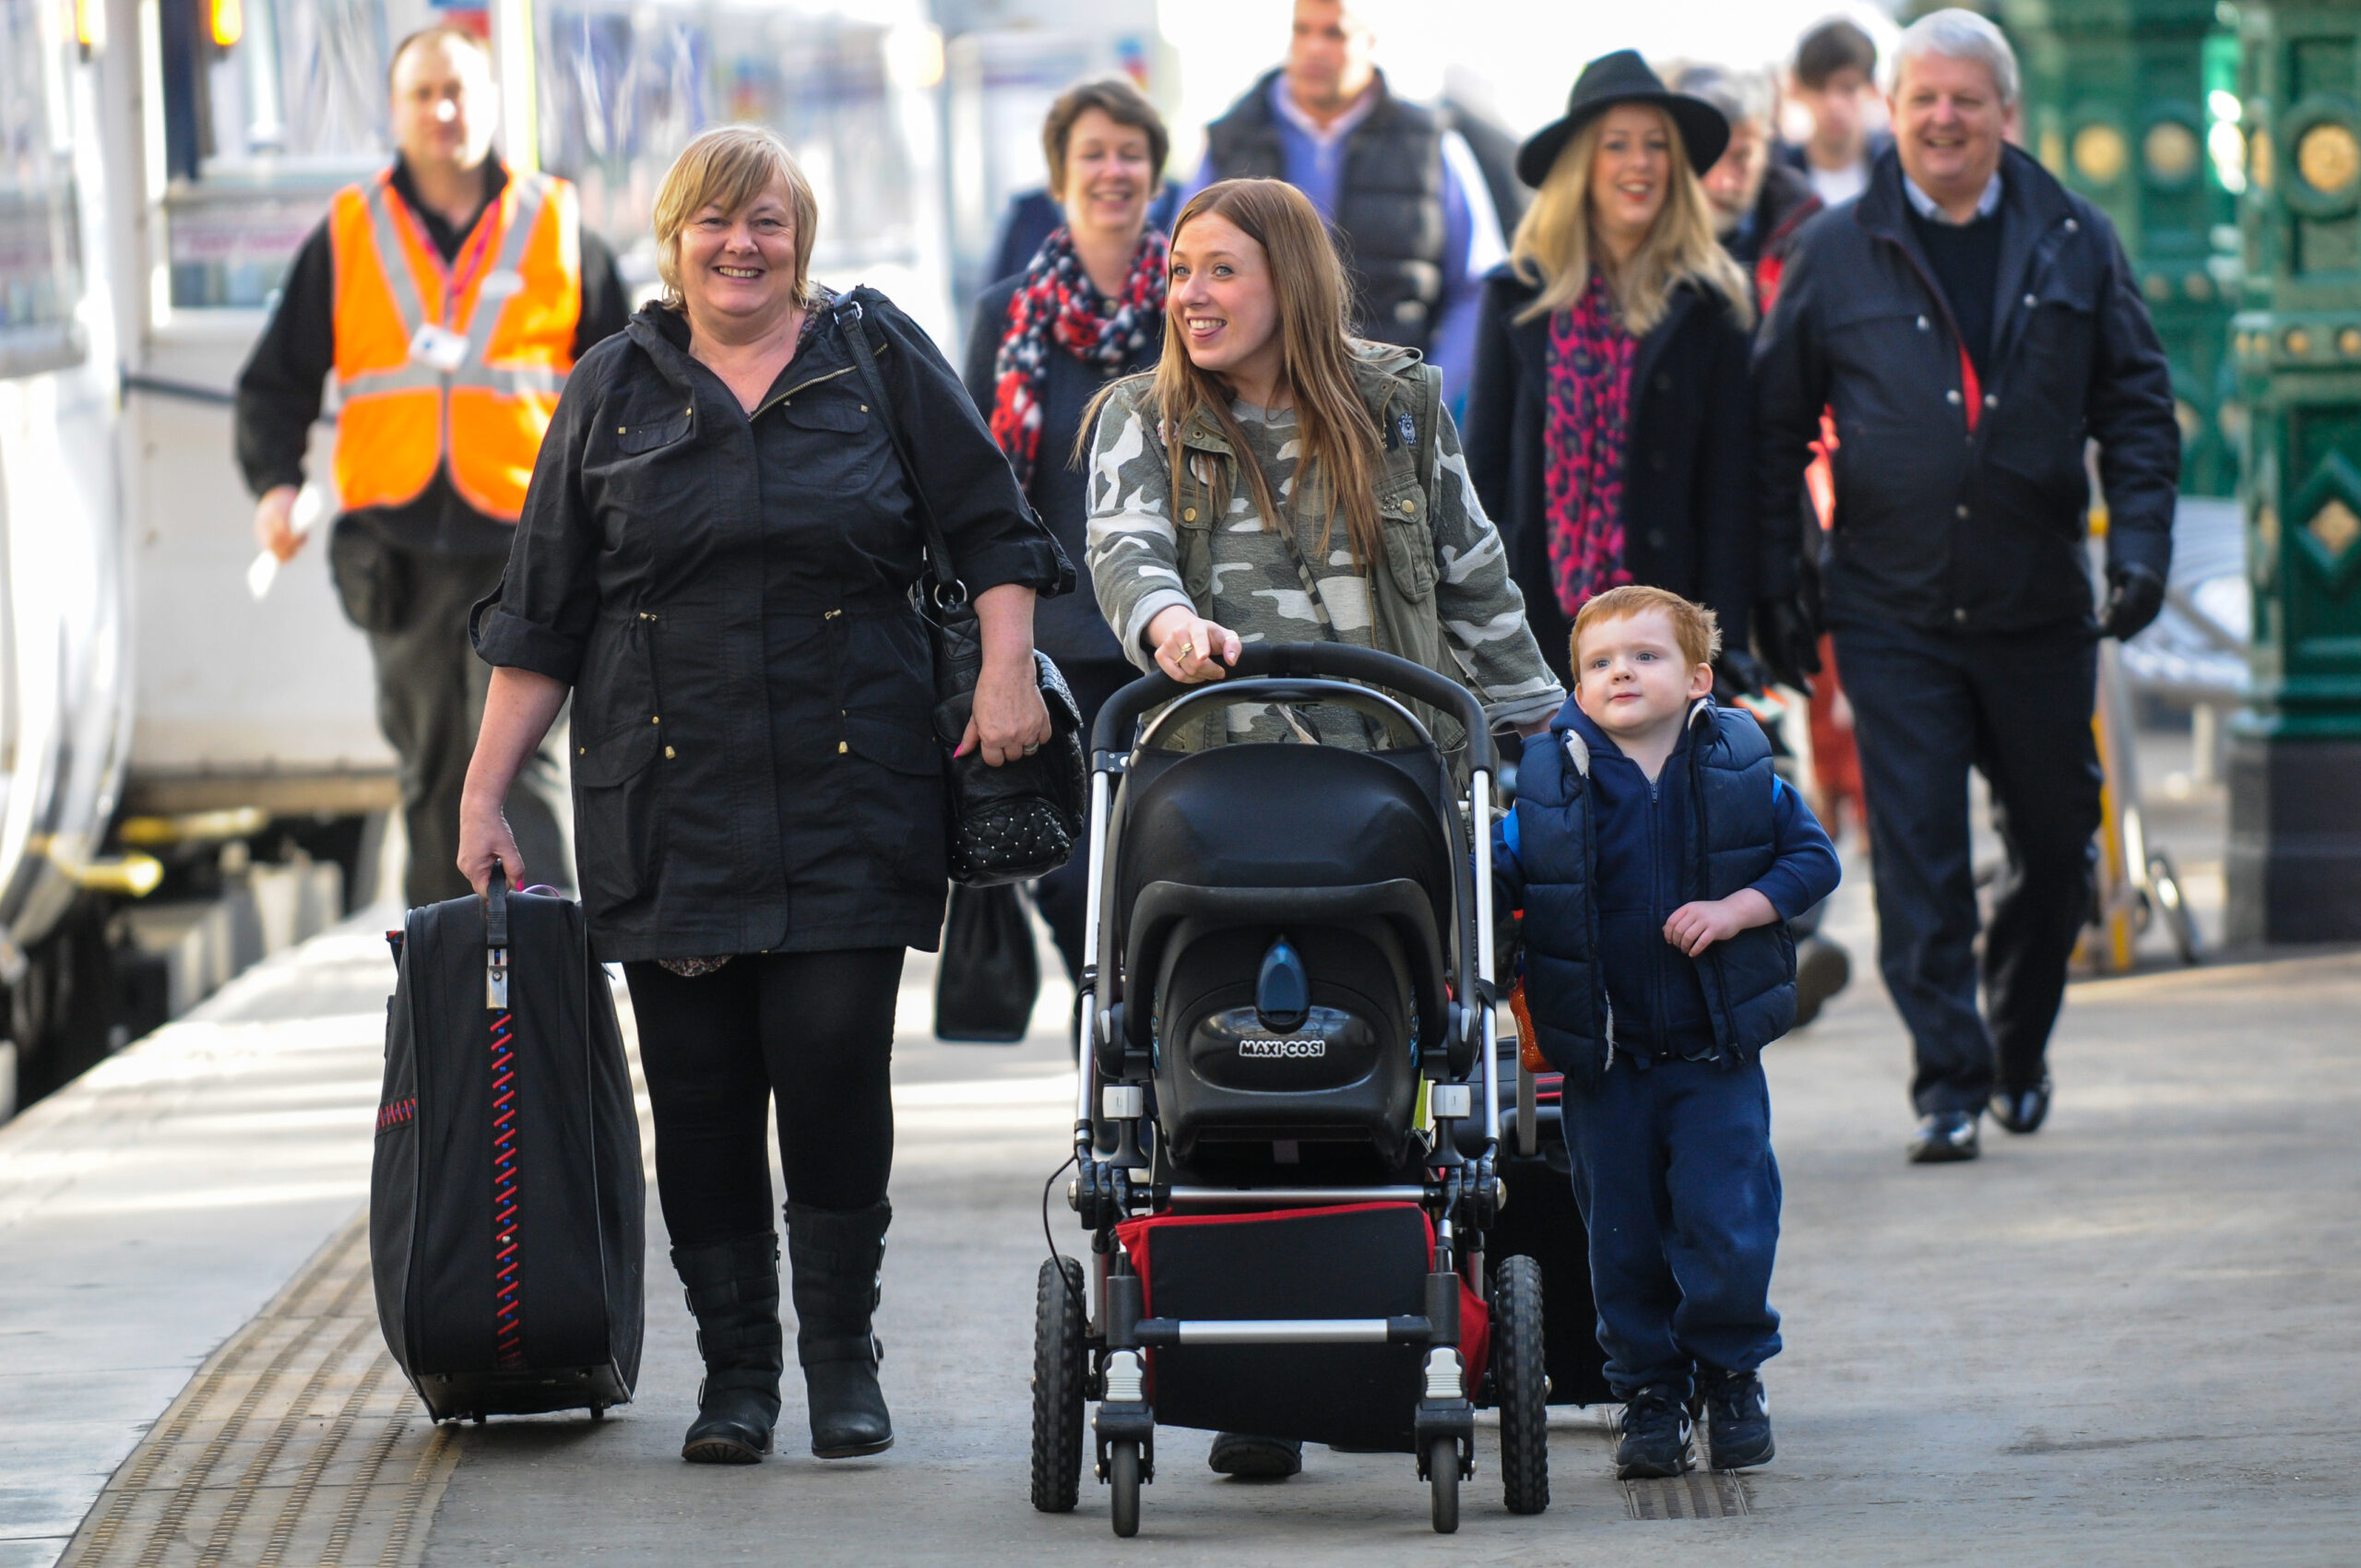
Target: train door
[62, 693]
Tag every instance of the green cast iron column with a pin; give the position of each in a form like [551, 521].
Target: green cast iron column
[2295, 857]
[2123, 102]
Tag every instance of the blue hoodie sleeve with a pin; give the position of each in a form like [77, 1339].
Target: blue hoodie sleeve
[1508, 867]
[1806, 870]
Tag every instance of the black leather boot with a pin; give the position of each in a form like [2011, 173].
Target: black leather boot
[833, 1256]
[733, 1290]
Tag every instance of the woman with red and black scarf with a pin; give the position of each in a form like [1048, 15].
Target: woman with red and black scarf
[1089, 308]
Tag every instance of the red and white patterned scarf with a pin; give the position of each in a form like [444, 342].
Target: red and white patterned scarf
[1057, 303]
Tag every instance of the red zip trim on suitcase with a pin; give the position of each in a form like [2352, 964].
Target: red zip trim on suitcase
[508, 1328]
[396, 1112]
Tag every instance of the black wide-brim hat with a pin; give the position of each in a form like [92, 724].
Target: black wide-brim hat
[1624, 78]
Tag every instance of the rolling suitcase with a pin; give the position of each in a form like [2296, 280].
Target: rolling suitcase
[506, 1207]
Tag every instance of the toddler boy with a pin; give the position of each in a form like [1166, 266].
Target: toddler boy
[1657, 859]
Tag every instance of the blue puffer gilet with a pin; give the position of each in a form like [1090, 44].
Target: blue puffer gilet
[1749, 981]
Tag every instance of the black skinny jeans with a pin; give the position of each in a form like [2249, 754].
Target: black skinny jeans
[812, 1031]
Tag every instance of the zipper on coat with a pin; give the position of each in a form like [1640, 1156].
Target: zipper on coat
[1958, 351]
[769, 405]
[1658, 910]
[646, 626]
[1718, 1003]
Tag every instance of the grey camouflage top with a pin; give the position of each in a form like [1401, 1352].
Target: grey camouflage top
[1259, 589]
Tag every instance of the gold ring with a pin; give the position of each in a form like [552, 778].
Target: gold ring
[1189, 650]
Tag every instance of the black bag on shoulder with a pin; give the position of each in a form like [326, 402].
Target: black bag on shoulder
[1022, 819]
[507, 1229]
[990, 974]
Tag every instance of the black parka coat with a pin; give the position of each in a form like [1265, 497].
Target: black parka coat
[1944, 523]
[1689, 518]
[754, 764]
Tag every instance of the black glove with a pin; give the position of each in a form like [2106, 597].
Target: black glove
[1789, 642]
[1739, 674]
[2134, 594]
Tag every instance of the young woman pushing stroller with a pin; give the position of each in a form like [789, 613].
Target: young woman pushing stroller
[1280, 481]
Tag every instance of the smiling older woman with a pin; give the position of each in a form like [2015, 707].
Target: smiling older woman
[715, 556]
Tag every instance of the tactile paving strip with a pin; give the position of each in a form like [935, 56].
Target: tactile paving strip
[298, 1442]
[1701, 1494]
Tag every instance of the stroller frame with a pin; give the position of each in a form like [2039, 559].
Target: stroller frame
[1461, 1193]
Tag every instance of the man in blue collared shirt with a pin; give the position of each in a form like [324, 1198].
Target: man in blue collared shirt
[1402, 188]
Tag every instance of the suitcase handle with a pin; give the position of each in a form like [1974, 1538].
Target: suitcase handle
[495, 939]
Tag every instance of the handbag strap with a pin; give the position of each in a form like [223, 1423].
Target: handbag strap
[948, 588]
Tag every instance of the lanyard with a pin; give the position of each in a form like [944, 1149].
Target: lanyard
[459, 278]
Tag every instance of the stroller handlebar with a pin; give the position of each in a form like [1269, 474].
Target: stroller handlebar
[1338, 661]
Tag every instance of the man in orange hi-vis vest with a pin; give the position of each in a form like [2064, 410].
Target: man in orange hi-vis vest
[449, 297]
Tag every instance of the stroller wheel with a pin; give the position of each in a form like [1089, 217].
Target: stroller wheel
[1442, 1479]
[1124, 1475]
[1520, 1380]
[1059, 1373]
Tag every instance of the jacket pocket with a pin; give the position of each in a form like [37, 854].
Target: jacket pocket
[840, 440]
[642, 462]
[899, 810]
[1894, 360]
[2039, 424]
[616, 823]
[635, 440]
[1409, 538]
[373, 578]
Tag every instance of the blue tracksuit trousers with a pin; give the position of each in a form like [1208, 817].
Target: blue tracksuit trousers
[1674, 1175]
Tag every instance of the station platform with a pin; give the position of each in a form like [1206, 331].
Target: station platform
[2130, 1338]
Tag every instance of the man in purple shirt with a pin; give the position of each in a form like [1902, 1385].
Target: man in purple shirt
[1399, 186]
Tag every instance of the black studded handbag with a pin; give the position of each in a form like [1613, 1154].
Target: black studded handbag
[1022, 819]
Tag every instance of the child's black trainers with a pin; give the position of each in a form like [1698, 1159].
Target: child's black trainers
[1737, 1418]
[1655, 1437]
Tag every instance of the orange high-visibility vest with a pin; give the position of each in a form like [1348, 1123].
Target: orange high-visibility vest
[460, 365]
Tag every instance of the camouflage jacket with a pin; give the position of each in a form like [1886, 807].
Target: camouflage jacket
[1444, 559]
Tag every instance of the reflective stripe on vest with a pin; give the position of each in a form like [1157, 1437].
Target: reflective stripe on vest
[404, 416]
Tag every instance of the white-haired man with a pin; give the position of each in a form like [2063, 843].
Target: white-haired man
[1972, 325]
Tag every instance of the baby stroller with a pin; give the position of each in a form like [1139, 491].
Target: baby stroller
[1290, 1013]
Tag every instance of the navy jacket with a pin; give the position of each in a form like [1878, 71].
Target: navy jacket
[1940, 526]
[1598, 856]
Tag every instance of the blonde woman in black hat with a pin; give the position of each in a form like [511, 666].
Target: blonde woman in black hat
[1608, 423]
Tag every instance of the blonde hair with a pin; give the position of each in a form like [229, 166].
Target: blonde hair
[1696, 630]
[1556, 243]
[1338, 439]
[728, 167]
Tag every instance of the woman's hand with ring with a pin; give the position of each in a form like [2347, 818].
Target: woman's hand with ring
[1191, 648]
[1009, 719]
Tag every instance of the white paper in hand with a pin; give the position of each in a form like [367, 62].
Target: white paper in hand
[311, 505]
